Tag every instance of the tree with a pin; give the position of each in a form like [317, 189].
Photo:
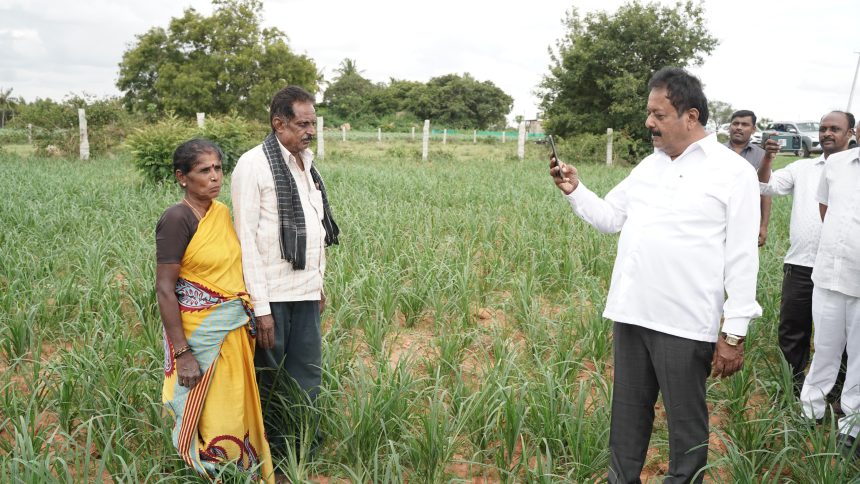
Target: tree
[461, 102]
[599, 74]
[348, 67]
[349, 96]
[8, 103]
[217, 64]
[721, 112]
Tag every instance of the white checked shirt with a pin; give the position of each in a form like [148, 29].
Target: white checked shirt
[689, 235]
[837, 266]
[268, 277]
[800, 179]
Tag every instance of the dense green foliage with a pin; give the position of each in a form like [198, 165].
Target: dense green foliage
[463, 337]
[720, 112]
[152, 146]
[55, 124]
[591, 148]
[8, 105]
[218, 64]
[599, 74]
[452, 101]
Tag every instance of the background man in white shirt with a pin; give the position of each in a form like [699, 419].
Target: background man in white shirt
[688, 216]
[284, 223]
[800, 179]
[836, 295]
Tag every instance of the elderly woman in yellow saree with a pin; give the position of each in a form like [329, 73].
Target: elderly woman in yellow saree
[209, 385]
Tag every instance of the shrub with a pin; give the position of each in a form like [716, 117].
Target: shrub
[591, 148]
[55, 125]
[234, 135]
[153, 145]
[9, 136]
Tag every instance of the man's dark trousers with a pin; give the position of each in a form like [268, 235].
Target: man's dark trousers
[795, 326]
[291, 371]
[649, 362]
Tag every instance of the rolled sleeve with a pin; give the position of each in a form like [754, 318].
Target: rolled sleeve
[781, 183]
[245, 191]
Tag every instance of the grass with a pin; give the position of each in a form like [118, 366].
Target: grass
[463, 337]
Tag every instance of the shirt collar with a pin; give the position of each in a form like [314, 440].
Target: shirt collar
[709, 144]
[728, 144]
[307, 155]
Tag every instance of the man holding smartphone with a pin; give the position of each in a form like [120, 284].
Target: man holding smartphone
[741, 130]
[688, 216]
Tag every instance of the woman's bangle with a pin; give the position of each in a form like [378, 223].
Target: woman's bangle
[181, 351]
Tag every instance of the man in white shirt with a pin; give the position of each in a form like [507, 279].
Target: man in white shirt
[689, 218]
[836, 296]
[284, 223]
[800, 179]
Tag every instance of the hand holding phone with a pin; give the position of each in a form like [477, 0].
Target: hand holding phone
[555, 156]
[566, 181]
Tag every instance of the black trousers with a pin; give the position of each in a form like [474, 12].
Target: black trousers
[649, 362]
[289, 375]
[795, 326]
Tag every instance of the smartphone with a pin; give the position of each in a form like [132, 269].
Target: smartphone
[554, 153]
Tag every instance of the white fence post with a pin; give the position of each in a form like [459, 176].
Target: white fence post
[201, 120]
[320, 138]
[413, 133]
[521, 141]
[343, 132]
[29, 133]
[608, 146]
[445, 136]
[426, 143]
[475, 136]
[85, 142]
[503, 136]
[379, 134]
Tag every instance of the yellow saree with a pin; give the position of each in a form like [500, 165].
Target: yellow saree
[220, 419]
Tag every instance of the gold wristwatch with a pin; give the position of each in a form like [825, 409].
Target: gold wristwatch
[733, 339]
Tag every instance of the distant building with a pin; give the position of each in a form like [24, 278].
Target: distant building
[534, 126]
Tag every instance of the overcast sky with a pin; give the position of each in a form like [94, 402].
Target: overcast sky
[788, 59]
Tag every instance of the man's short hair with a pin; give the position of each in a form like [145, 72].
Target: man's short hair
[283, 100]
[848, 116]
[683, 89]
[743, 113]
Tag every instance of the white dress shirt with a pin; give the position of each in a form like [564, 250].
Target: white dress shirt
[689, 235]
[800, 179]
[837, 266]
[268, 277]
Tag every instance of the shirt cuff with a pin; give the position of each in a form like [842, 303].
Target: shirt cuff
[577, 194]
[262, 309]
[736, 326]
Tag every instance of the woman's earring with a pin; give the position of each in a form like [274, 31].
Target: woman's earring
[183, 185]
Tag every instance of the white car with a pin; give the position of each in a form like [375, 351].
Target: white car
[756, 138]
[807, 130]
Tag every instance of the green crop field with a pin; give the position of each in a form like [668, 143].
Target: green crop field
[463, 339]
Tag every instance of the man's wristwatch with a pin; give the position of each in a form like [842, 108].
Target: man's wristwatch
[733, 339]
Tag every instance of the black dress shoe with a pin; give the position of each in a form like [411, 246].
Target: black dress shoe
[846, 445]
